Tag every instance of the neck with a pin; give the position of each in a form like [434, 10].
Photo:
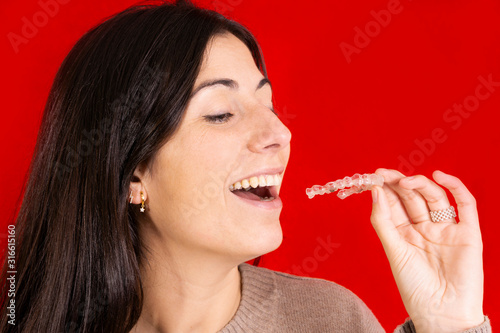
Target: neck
[195, 294]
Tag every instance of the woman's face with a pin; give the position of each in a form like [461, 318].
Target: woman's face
[229, 134]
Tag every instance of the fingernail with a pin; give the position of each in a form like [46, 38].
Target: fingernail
[409, 179]
[374, 195]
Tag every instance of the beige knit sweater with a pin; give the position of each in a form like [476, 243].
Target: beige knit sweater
[282, 303]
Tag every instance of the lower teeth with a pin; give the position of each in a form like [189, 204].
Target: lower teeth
[267, 199]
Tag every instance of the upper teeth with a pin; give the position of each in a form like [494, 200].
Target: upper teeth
[253, 182]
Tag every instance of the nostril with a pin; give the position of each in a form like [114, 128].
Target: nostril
[274, 145]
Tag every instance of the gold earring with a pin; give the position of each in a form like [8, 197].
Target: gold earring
[143, 206]
[131, 196]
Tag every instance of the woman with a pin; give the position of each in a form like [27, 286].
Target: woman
[132, 221]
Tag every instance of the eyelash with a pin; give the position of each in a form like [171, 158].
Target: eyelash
[219, 118]
[224, 117]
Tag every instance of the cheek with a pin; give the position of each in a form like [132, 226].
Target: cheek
[196, 176]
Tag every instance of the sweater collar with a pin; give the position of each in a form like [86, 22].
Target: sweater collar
[259, 301]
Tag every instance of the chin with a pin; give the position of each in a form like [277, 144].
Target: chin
[264, 242]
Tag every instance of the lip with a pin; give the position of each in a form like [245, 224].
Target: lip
[268, 205]
[268, 171]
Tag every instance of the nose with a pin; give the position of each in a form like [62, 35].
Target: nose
[270, 134]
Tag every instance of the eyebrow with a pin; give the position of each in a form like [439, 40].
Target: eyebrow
[228, 83]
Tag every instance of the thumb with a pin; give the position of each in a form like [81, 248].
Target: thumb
[382, 222]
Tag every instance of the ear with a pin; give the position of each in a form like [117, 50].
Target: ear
[138, 185]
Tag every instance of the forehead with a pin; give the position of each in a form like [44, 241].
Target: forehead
[226, 54]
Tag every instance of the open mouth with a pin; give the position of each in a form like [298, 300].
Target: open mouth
[261, 188]
[267, 193]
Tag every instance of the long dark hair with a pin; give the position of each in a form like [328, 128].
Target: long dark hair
[118, 96]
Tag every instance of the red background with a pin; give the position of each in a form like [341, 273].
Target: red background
[345, 117]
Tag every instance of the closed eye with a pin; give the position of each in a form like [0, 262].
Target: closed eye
[219, 118]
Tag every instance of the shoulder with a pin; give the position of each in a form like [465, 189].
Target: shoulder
[322, 294]
[314, 287]
[316, 302]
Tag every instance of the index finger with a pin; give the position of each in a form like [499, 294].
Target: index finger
[466, 203]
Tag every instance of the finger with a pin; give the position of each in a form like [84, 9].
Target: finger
[466, 203]
[398, 211]
[412, 203]
[382, 220]
[433, 194]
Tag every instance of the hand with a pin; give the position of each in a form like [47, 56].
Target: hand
[438, 267]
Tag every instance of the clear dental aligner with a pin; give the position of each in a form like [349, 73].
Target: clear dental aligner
[347, 186]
